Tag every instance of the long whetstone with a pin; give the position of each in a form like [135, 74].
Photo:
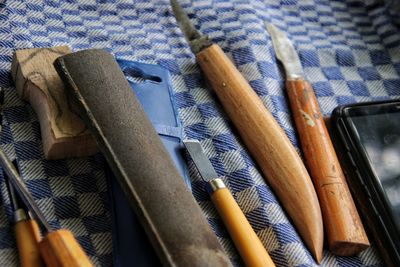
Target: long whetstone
[172, 219]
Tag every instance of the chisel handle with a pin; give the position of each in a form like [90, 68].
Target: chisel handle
[60, 249]
[268, 144]
[345, 232]
[27, 235]
[246, 241]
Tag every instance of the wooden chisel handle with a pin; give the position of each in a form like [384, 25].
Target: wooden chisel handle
[268, 144]
[60, 249]
[345, 232]
[27, 235]
[246, 241]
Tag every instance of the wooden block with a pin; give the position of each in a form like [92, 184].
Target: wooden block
[64, 134]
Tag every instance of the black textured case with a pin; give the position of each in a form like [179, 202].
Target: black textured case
[365, 194]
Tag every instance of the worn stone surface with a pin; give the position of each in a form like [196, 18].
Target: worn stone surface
[172, 219]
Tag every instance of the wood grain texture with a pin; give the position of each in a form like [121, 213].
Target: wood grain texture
[344, 229]
[64, 134]
[268, 144]
[27, 235]
[246, 240]
[60, 249]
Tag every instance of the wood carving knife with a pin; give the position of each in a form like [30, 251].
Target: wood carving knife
[27, 232]
[58, 248]
[345, 232]
[246, 240]
[265, 139]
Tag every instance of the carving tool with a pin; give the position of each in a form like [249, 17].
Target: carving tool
[172, 219]
[64, 134]
[246, 240]
[345, 232]
[265, 139]
[27, 233]
[58, 247]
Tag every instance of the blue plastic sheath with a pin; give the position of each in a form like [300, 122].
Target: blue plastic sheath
[130, 243]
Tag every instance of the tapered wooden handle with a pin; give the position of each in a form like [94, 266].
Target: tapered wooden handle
[60, 249]
[268, 144]
[246, 241]
[27, 235]
[345, 232]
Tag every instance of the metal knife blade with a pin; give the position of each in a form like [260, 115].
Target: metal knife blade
[200, 160]
[15, 179]
[285, 52]
[15, 200]
[23, 191]
[196, 40]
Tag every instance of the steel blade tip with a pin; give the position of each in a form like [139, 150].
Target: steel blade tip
[197, 41]
[285, 52]
[193, 146]
[201, 161]
[270, 28]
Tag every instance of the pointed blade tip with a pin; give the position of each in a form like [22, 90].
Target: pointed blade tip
[270, 27]
[189, 142]
[285, 51]
[200, 160]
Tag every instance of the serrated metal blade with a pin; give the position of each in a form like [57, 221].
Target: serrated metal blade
[285, 52]
[200, 160]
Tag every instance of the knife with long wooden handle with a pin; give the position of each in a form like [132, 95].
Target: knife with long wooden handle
[345, 232]
[246, 240]
[265, 139]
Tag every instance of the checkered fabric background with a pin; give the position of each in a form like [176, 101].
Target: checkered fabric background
[349, 50]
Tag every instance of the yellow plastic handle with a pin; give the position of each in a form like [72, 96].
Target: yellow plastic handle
[246, 241]
[27, 235]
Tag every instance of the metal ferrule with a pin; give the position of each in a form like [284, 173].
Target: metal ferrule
[214, 185]
[294, 77]
[20, 215]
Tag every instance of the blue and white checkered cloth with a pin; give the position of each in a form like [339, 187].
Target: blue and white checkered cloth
[350, 51]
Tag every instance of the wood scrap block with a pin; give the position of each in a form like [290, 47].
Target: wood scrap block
[64, 134]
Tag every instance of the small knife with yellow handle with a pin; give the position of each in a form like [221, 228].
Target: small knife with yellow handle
[344, 230]
[246, 240]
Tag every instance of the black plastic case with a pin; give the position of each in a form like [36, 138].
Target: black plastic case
[366, 189]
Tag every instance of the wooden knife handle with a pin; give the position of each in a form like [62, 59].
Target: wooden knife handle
[345, 232]
[60, 249]
[268, 144]
[27, 235]
[246, 241]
